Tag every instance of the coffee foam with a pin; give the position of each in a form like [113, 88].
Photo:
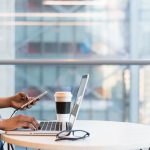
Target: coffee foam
[63, 96]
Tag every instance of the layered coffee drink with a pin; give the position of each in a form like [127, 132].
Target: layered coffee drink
[63, 105]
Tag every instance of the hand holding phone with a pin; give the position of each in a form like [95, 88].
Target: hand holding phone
[33, 100]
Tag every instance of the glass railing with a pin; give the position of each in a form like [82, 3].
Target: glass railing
[118, 90]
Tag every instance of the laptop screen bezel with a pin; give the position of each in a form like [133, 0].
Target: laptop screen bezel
[78, 101]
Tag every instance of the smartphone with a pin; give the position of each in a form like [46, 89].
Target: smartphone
[34, 100]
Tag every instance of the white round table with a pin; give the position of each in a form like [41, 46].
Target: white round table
[104, 135]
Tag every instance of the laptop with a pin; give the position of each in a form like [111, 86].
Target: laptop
[54, 127]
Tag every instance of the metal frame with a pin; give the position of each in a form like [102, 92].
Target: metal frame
[134, 54]
[75, 62]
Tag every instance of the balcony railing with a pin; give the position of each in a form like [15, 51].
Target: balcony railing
[76, 61]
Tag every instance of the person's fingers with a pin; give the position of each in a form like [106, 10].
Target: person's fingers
[35, 123]
[30, 120]
[23, 108]
[33, 99]
[34, 102]
[30, 98]
[27, 125]
[22, 96]
[31, 103]
[29, 106]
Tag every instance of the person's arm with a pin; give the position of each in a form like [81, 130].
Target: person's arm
[18, 122]
[5, 102]
[15, 101]
[1, 125]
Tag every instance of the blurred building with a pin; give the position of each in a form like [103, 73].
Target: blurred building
[98, 30]
[76, 31]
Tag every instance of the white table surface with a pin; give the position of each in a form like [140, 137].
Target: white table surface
[104, 135]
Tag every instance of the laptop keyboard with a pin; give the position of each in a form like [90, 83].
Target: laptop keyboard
[51, 126]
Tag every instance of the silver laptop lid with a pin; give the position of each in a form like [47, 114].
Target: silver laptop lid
[77, 103]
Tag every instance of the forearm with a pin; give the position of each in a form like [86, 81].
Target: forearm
[2, 126]
[5, 102]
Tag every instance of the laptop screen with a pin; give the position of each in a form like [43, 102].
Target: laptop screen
[80, 94]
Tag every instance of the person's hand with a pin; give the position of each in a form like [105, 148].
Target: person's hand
[19, 99]
[18, 122]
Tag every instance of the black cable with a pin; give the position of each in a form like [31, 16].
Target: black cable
[13, 113]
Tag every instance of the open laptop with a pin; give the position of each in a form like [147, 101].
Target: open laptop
[54, 127]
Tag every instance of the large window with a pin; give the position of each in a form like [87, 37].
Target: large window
[97, 29]
[59, 31]
[144, 33]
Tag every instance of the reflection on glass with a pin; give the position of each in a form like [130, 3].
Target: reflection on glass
[54, 31]
[105, 96]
